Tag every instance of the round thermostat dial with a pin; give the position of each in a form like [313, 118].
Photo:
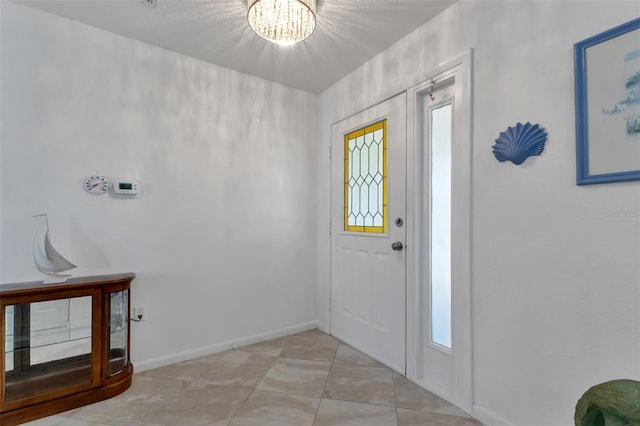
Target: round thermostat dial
[96, 184]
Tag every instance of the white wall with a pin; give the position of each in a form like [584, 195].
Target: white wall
[223, 238]
[555, 280]
[220, 240]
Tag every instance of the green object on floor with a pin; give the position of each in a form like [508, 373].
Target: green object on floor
[614, 403]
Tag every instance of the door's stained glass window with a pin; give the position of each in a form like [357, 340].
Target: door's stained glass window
[365, 179]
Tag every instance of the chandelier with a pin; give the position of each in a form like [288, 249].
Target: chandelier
[282, 21]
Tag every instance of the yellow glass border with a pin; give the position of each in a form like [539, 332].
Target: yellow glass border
[352, 135]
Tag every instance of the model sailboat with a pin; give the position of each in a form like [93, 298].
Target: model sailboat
[47, 259]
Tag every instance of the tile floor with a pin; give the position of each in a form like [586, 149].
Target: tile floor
[307, 379]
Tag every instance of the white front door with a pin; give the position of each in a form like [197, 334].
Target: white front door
[368, 223]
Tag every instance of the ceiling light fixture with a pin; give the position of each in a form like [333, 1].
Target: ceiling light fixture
[282, 21]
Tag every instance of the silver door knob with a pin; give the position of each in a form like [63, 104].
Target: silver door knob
[397, 246]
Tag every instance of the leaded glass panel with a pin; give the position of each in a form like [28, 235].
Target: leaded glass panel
[365, 179]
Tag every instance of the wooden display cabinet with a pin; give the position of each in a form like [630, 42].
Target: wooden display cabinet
[63, 345]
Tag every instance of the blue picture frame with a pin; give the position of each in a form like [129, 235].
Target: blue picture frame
[607, 103]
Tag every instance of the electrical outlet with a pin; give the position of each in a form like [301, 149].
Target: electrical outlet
[138, 312]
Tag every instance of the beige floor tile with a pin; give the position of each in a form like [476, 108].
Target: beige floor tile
[271, 347]
[452, 410]
[314, 332]
[295, 376]
[347, 355]
[60, 420]
[421, 418]
[273, 383]
[187, 370]
[234, 368]
[205, 360]
[283, 409]
[316, 336]
[371, 385]
[256, 422]
[201, 405]
[244, 358]
[342, 413]
[412, 397]
[175, 371]
[134, 407]
[313, 346]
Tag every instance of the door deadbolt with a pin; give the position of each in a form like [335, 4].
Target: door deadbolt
[399, 222]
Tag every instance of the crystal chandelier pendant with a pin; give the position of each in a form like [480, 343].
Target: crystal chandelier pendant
[282, 21]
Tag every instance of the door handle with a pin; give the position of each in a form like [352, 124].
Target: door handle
[397, 246]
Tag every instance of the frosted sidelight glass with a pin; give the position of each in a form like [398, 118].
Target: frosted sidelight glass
[441, 225]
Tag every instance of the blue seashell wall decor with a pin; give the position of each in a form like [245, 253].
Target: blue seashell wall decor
[518, 143]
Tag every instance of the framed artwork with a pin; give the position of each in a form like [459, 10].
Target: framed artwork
[607, 84]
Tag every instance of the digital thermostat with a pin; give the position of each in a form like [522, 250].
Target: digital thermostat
[125, 187]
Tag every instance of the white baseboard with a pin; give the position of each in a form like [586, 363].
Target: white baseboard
[162, 361]
[488, 418]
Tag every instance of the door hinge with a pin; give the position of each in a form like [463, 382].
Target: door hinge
[330, 153]
[329, 228]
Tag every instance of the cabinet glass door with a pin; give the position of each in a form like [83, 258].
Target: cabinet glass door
[118, 331]
[47, 346]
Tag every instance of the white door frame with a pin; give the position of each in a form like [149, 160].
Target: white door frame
[458, 69]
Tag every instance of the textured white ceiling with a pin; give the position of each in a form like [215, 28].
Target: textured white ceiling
[348, 33]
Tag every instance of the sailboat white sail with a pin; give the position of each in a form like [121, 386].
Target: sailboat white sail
[49, 261]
